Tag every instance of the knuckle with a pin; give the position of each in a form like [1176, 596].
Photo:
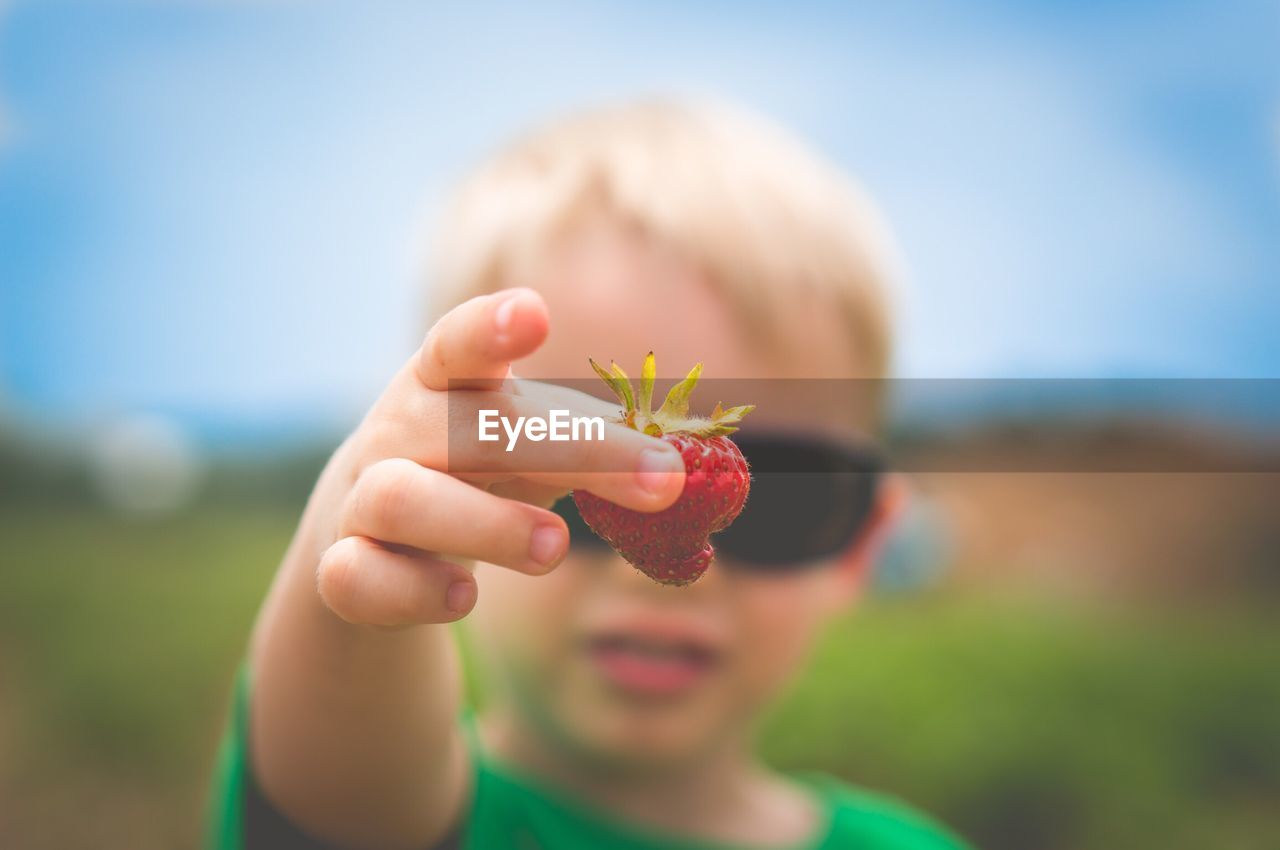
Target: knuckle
[383, 494]
[464, 453]
[414, 602]
[433, 355]
[435, 348]
[377, 433]
[337, 578]
[411, 424]
[595, 456]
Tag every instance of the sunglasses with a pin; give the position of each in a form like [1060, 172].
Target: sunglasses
[810, 498]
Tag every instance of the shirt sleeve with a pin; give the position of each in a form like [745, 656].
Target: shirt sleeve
[241, 817]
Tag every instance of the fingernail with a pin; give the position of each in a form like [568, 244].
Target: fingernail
[546, 544]
[460, 596]
[656, 468]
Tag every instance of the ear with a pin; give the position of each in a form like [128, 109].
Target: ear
[854, 565]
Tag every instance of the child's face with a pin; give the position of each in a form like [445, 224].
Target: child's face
[597, 656]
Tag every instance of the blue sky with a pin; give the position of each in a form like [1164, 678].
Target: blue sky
[211, 209]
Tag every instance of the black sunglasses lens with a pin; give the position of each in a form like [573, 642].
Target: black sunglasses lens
[809, 500]
[792, 520]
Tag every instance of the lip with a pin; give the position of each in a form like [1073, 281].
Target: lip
[654, 655]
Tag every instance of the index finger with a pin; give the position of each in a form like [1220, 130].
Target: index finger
[474, 344]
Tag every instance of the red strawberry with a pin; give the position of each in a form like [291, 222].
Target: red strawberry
[672, 546]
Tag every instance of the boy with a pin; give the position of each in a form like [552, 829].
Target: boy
[622, 711]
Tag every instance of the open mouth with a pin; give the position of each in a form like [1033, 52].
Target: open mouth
[651, 665]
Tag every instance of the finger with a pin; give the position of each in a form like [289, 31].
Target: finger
[615, 462]
[474, 343]
[554, 395]
[367, 584]
[521, 490]
[406, 422]
[398, 501]
[654, 486]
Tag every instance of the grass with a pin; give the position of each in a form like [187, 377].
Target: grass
[1026, 722]
[1031, 723]
[119, 641]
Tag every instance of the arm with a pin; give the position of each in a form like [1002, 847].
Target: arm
[354, 714]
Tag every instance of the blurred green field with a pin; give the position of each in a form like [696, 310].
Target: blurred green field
[1026, 721]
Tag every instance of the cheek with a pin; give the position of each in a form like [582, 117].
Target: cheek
[526, 621]
[779, 619]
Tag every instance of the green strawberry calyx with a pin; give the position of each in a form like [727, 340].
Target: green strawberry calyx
[673, 416]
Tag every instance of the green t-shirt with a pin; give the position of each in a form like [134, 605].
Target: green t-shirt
[508, 811]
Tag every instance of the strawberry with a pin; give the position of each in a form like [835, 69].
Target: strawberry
[672, 546]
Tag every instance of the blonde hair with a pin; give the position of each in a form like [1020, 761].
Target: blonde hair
[751, 206]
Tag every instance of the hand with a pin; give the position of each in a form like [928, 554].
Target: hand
[399, 524]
